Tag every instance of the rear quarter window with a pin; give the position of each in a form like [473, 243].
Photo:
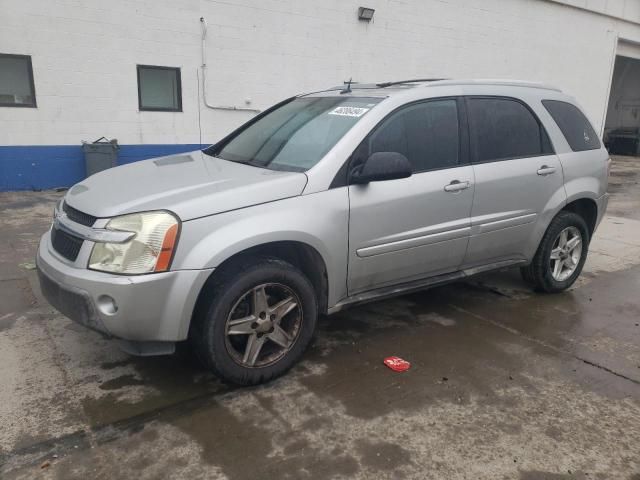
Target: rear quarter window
[575, 127]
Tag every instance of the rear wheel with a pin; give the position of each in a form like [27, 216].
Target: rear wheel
[561, 254]
[260, 319]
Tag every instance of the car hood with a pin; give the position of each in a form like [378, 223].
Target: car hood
[191, 185]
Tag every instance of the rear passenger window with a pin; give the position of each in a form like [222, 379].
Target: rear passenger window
[425, 133]
[574, 125]
[502, 129]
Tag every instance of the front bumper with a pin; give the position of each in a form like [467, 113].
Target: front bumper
[140, 308]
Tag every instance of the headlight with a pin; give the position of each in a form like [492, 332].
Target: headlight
[150, 250]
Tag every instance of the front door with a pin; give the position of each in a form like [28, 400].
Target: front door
[406, 229]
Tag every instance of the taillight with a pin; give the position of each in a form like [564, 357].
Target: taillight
[609, 163]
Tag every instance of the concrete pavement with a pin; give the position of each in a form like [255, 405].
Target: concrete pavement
[505, 383]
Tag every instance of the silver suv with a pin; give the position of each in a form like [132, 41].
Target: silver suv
[324, 201]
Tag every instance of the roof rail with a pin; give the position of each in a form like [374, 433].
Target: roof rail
[416, 80]
[492, 81]
[354, 85]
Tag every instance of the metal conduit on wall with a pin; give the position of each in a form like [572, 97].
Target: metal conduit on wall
[203, 24]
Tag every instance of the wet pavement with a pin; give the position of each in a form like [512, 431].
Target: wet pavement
[504, 383]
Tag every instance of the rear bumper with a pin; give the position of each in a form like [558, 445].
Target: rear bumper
[143, 308]
[602, 204]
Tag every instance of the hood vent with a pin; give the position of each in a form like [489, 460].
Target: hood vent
[161, 162]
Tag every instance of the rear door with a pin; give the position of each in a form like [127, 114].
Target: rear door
[517, 175]
[401, 230]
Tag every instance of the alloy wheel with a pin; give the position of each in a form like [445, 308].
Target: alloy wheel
[565, 254]
[263, 325]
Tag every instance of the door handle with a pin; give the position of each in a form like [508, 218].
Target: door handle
[546, 170]
[457, 186]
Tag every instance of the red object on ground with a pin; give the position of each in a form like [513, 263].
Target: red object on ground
[397, 364]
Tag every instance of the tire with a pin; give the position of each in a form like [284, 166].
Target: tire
[541, 273]
[230, 327]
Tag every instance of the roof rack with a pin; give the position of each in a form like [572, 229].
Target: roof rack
[499, 81]
[416, 80]
[437, 82]
[354, 86]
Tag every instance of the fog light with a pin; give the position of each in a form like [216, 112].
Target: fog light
[107, 305]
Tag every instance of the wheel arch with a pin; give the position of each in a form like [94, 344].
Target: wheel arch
[584, 204]
[587, 208]
[299, 254]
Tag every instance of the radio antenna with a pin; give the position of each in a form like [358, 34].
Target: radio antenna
[348, 84]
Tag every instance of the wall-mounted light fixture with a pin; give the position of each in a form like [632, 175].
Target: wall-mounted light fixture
[365, 14]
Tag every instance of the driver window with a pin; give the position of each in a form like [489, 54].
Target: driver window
[426, 133]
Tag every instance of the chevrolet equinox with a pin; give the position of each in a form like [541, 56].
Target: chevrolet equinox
[324, 201]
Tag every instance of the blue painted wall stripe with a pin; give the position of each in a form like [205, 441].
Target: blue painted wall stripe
[38, 167]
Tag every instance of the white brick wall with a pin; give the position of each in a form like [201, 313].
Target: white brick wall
[85, 54]
[624, 9]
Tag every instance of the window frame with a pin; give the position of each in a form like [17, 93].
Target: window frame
[472, 151]
[343, 175]
[31, 82]
[141, 108]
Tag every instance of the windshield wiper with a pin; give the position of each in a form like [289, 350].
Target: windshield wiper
[250, 162]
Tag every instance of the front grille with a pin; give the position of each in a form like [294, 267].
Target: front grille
[78, 216]
[66, 245]
[70, 301]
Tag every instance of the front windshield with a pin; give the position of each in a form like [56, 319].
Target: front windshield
[295, 136]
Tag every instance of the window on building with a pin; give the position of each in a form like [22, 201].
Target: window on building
[426, 133]
[502, 129]
[159, 89]
[574, 125]
[16, 81]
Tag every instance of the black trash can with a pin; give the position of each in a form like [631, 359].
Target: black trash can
[100, 155]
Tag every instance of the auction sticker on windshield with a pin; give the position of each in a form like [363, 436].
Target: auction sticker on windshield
[349, 111]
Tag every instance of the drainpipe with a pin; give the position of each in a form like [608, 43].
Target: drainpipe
[203, 23]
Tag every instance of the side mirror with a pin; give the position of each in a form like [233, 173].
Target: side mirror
[382, 166]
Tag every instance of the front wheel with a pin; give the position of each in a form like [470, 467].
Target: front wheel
[561, 254]
[260, 318]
